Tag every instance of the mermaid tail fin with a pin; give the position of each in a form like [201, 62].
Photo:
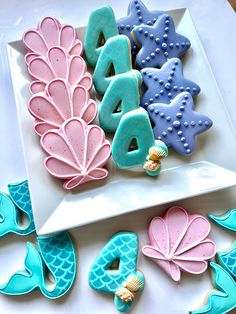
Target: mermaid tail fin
[20, 196]
[227, 221]
[25, 281]
[228, 260]
[58, 253]
[224, 299]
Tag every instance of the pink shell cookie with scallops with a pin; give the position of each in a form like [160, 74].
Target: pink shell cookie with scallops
[179, 242]
[51, 33]
[77, 152]
[58, 103]
[58, 64]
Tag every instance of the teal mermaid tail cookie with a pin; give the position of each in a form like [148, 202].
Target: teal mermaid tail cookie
[223, 299]
[227, 221]
[228, 260]
[58, 255]
[123, 282]
[11, 208]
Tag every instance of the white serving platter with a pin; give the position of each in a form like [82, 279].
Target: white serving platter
[212, 166]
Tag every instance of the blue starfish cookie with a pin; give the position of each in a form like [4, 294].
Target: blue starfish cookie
[158, 43]
[177, 124]
[137, 14]
[165, 84]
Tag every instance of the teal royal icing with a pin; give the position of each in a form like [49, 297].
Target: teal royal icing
[12, 207]
[123, 247]
[116, 55]
[223, 299]
[135, 125]
[101, 22]
[228, 260]
[57, 254]
[124, 91]
[227, 221]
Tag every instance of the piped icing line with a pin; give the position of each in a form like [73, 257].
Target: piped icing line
[54, 51]
[12, 206]
[58, 64]
[138, 14]
[227, 220]
[77, 152]
[58, 103]
[222, 300]
[177, 124]
[163, 85]
[179, 242]
[57, 254]
[158, 43]
[51, 33]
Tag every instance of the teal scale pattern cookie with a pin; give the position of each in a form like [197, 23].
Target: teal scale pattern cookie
[12, 206]
[123, 246]
[57, 254]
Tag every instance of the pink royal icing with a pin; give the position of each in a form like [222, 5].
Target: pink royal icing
[178, 242]
[77, 152]
[58, 103]
[58, 64]
[50, 33]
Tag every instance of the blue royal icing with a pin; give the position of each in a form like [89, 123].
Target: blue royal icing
[165, 84]
[138, 14]
[158, 43]
[177, 124]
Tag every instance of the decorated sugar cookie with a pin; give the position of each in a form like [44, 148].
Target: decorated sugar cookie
[115, 58]
[223, 299]
[179, 242]
[101, 26]
[125, 281]
[228, 260]
[138, 14]
[12, 207]
[58, 103]
[50, 33]
[55, 252]
[177, 124]
[122, 96]
[227, 221]
[58, 64]
[77, 152]
[158, 43]
[165, 84]
[134, 145]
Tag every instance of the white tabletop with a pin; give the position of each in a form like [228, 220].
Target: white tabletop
[213, 19]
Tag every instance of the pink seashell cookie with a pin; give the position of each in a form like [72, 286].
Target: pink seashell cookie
[51, 33]
[179, 242]
[77, 152]
[58, 103]
[58, 64]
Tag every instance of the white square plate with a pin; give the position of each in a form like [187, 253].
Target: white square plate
[210, 168]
